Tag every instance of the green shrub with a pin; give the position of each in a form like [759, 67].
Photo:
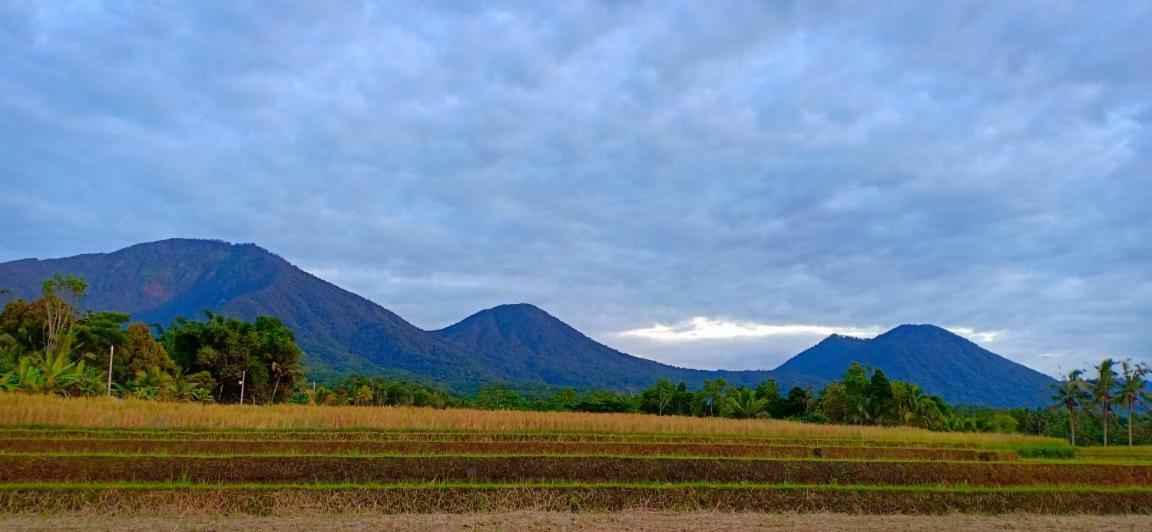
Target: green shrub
[1062, 452]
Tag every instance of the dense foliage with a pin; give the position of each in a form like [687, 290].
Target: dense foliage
[369, 391]
[862, 397]
[259, 358]
[48, 346]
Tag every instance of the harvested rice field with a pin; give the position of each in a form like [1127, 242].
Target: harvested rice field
[628, 520]
[257, 463]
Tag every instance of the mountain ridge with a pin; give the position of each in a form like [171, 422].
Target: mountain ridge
[940, 361]
[559, 354]
[342, 332]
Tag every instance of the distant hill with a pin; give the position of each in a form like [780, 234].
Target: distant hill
[941, 362]
[530, 345]
[342, 333]
[339, 331]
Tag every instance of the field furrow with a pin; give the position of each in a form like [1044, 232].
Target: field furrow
[504, 447]
[10, 433]
[294, 461]
[279, 500]
[481, 468]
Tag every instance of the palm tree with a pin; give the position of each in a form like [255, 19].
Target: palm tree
[1070, 394]
[1132, 392]
[908, 397]
[363, 396]
[186, 388]
[153, 384]
[1103, 389]
[744, 403]
[932, 411]
[291, 370]
[914, 407]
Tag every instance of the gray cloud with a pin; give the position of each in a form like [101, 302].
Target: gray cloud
[976, 164]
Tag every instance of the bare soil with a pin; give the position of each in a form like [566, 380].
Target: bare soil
[308, 502]
[478, 447]
[285, 469]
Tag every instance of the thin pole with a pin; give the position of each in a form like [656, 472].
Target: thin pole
[111, 352]
[243, 377]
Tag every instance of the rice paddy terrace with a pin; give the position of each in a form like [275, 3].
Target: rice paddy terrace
[262, 461]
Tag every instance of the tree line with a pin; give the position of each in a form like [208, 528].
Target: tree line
[48, 346]
[1087, 403]
[863, 396]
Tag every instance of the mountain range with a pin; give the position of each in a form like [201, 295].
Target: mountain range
[343, 333]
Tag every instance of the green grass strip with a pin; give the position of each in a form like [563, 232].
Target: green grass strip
[356, 455]
[573, 485]
[1088, 461]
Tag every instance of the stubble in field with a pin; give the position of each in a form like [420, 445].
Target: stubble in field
[635, 521]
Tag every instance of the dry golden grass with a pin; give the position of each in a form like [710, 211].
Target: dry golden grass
[28, 410]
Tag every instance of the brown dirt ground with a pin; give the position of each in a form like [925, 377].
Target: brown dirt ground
[524, 447]
[635, 521]
[286, 469]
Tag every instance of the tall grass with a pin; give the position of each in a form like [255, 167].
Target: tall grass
[31, 410]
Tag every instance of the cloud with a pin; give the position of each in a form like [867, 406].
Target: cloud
[717, 343]
[986, 337]
[618, 163]
[703, 328]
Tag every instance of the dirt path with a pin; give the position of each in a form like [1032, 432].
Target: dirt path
[637, 521]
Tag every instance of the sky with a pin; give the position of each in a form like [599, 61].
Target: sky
[711, 184]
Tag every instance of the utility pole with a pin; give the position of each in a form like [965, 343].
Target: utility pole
[111, 352]
[242, 378]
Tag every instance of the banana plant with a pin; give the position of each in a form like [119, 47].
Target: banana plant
[59, 372]
[8, 381]
[26, 378]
